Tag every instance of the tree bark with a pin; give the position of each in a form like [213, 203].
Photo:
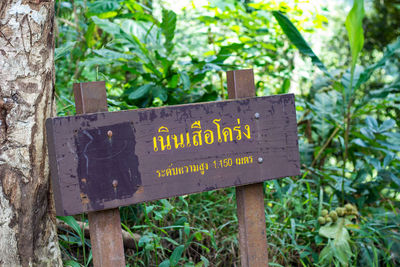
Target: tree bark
[28, 234]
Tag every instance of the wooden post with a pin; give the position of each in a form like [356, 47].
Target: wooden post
[105, 226]
[249, 198]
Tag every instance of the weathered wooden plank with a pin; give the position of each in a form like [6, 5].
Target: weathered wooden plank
[105, 226]
[106, 160]
[249, 198]
[106, 238]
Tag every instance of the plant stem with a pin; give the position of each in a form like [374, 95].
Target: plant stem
[347, 121]
[325, 146]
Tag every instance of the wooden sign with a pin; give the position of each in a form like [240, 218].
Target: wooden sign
[110, 159]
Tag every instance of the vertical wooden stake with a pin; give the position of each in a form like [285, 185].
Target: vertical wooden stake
[105, 226]
[249, 198]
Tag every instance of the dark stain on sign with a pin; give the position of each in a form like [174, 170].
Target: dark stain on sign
[107, 164]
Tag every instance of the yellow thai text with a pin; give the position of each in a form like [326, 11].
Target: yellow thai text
[199, 137]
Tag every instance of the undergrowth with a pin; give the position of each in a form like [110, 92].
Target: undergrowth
[349, 135]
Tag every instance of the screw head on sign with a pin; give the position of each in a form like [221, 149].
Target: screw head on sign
[115, 183]
[260, 160]
[109, 134]
[257, 115]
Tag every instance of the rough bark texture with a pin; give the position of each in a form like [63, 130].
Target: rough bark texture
[28, 234]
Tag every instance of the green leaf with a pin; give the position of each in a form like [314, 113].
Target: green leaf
[389, 177]
[126, 34]
[382, 93]
[374, 162]
[224, 5]
[90, 258]
[158, 215]
[205, 261]
[285, 86]
[372, 124]
[63, 50]
[387, 125]
[226, 51]
[72, 223]
[367, 133]
[181, 221]
[339, 247]
[71, 263]
[176, 255]
[185, 80]
[103, 6]
[186, 229]
[164, 264]
[167, 205]
[95, 61]
[388, 54]
[359, 142]
[110, 54]
[388, 158]
[335, 230]
[140, 92]
[173, 82]
[149, 209]
[106, 25]
[198, 236]
[115, 30]
[168, 26]
[355, 31]
[326, 255]
[144, 31]
[144, 240]
[297, 40]
[89, 34]
[160, 92]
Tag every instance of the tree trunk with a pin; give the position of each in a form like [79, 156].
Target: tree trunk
[28, 234]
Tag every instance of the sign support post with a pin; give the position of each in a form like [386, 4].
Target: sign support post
[105, 225]
[249, 198]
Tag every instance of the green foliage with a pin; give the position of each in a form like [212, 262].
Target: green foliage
[385, 15]
[348, 127]
[295, 37]
[355, 30]
[338, 247]
[121, 42]
[168, 28]
[169, 237]
[365, 170]
[70, 240]
[256, 38]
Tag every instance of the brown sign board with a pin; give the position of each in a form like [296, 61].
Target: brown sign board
[110, 159]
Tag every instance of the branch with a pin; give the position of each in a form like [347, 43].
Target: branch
[325, 146]
[69, 23]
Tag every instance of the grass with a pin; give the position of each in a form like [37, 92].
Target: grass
[202, 229]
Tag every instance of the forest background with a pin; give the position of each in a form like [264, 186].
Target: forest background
[341, 60]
